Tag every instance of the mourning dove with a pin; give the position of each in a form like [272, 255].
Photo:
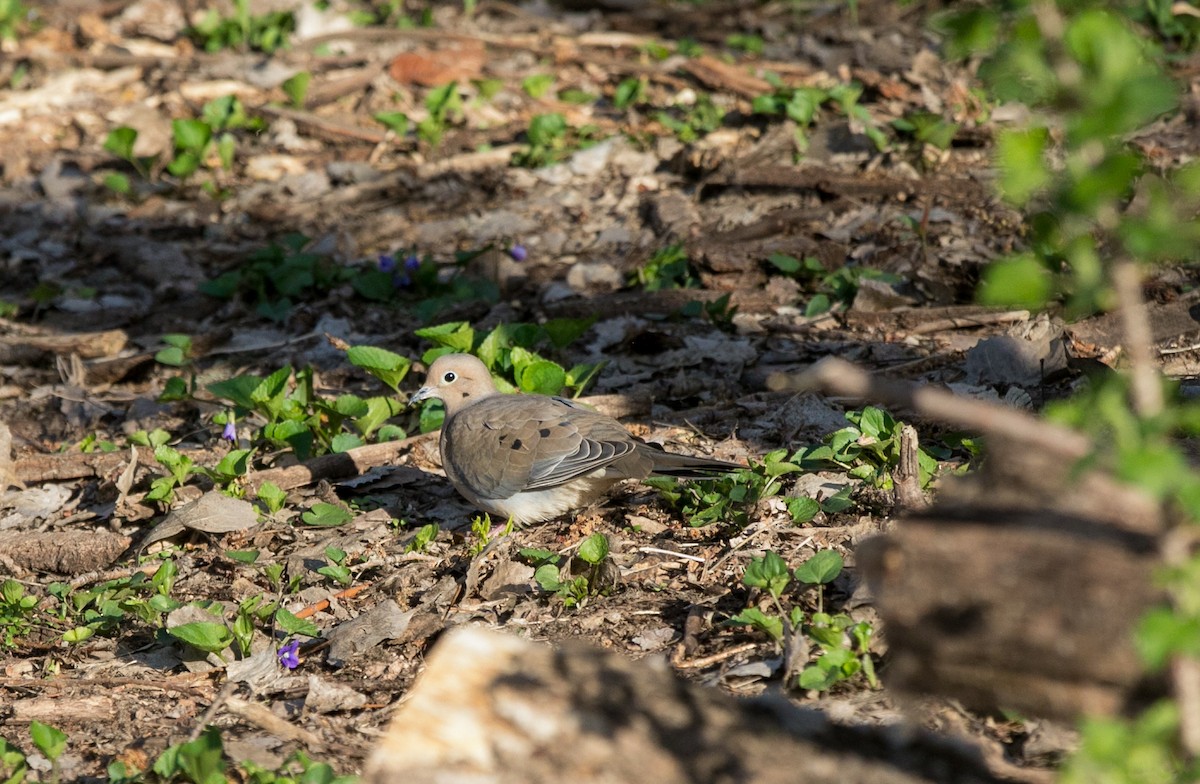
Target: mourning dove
[530, 458]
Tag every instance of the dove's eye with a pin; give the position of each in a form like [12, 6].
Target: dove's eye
[449, 378]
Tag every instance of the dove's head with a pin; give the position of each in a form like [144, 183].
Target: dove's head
[457, 380]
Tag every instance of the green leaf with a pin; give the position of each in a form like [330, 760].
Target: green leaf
[537, 555]
[51, 741]
[563, 332]
[425, 535]
[838, 502]
[752, 616]
[325, 515]
[1021, 158]
[547, 576]
[433, 413]
[1019, 281]
[238, 390]
[788, 265]
[818, 678]
[594, 549]
[821, 568]
[536, 85]
[272, 496]
[344, 442]
[628, 92]
[396, 122]
[546, 129]
[242, 556]
[456, 335]
[388, 366]
[542, 377]
[802, 509]
[290, 624]
[769, 573]
[118, 183]
[120, 142]
[234, 464]
[204, 635]
[296, 88]
[13, 765]
[202, 760]
[191, 135]
[817, 306]
[78, 634]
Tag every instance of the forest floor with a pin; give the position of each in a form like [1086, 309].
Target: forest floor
[707, 193]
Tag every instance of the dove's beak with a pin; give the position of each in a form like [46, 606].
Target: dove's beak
[421, 395]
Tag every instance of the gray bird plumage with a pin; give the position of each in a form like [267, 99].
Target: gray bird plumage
[533, 457]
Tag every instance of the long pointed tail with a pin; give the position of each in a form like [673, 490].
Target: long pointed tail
[685, 466]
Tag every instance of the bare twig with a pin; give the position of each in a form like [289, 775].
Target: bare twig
[836, 376]
[1145, 385]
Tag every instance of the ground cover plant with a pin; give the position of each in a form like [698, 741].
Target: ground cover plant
[231, 241]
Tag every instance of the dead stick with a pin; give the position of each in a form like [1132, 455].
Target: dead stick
[839, 377]
[1145, 385]
[349, 593]
[262, 717]
[340, 466]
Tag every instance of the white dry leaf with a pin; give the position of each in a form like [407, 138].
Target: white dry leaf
[212, 513]
[125, 480]
[8, 471]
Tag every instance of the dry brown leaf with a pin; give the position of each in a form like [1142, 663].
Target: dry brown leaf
[432, 67]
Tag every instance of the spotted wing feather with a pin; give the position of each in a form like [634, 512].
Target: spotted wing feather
[538, 443]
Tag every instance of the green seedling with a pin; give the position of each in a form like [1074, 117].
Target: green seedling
[13, 14]
[272, 497]
[844, 645]
[93, 443]
[179, 468]
[730, 499]
[691, 123]
[718, 311]
[547, 137]
[425, 536]
[668, 268]
[178, 352]
[537, 85]
[16, 612]
[869, 449]
[574, 590]
[802, 105]
[396, 122]
[296, 88]
[323, 515]
[629, 92]
[927, 128]
[51, 741]
[243, 30]
[13, 764]
[833, 288]
[481, 533]
[745, 42]
[444, 105]
[336, 569]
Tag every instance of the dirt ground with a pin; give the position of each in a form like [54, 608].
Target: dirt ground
[96, 277]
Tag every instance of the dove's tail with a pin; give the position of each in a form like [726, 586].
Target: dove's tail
[685, 466]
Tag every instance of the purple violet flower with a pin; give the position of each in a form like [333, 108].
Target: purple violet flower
[289, 655]
[518, 252]
[387, 263]
[412, 263]
[230, 431]
[401, 280]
